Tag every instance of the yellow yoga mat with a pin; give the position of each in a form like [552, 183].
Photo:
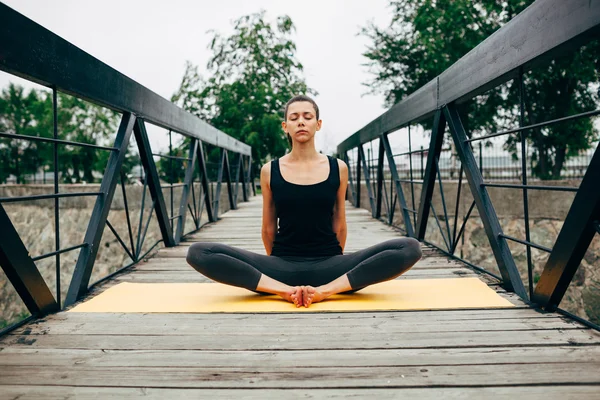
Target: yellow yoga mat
[405, 294]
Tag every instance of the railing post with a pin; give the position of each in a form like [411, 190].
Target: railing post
[487, 213]
[435, 147]
[399, 191]
[574, 238]
[187, 189]
[93, 235]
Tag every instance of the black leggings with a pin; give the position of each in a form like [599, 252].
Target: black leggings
[238, 267]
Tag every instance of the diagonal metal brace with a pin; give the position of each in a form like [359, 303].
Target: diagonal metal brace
[392, 164]
[93, 235]
[21, 271]
[573, 240]
[187, 189]
[141, 137]
[508, 269]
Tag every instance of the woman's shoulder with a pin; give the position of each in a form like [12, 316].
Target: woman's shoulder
[265, 172]
[340, 163]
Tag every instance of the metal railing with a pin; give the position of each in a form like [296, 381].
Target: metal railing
[32, 52]
[544, 30]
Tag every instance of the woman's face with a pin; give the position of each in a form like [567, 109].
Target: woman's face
[301, 122]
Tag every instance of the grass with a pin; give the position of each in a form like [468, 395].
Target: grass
[19, 317]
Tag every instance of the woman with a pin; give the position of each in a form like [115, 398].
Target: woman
[306, 192]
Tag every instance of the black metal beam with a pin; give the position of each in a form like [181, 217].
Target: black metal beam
[506, 264]
[205, 184]
[95, 229]
[365, 167]
[160, 208]
[251, 176]
[399, 191]
[350, 180]
[435, 147]
[232, 204]
[187, 189]
[236, 190]
[380, 156]
[21, 271]
[217, 199]
[31, 51]
[573, 240]
[358, 176]
[244, 180]
[543, 30]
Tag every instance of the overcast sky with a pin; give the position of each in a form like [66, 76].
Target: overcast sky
[150, 40]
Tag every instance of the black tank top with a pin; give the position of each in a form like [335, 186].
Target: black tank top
[305, 214]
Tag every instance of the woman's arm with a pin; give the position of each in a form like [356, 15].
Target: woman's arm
[339, 210]
[269, 217]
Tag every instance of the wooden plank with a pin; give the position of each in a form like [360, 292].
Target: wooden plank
[291, 328]
[307, 319]
[289, 359]
[546, 392]
[310, 377]
[238, 340]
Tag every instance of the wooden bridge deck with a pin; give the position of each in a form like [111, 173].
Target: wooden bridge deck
[476, 353]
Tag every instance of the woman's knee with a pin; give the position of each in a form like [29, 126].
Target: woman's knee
[408, 248]
[198, 252]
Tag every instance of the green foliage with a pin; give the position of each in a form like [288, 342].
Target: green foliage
[425, 37]
[22, 114]
[173, 170]
[552, 92]
[83, 122]
[252, 74]
[32, 114]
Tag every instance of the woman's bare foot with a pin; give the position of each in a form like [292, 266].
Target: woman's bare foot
[293, 296]
[312, 295]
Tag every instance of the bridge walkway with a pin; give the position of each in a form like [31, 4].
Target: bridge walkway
[464, 353]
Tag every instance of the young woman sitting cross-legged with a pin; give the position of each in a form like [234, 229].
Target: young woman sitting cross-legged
[305, 192]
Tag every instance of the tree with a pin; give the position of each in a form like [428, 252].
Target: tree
[32, 114]
[425, 37]
[20, 114]
[553, 92]
[252, 74]
[83, 122]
